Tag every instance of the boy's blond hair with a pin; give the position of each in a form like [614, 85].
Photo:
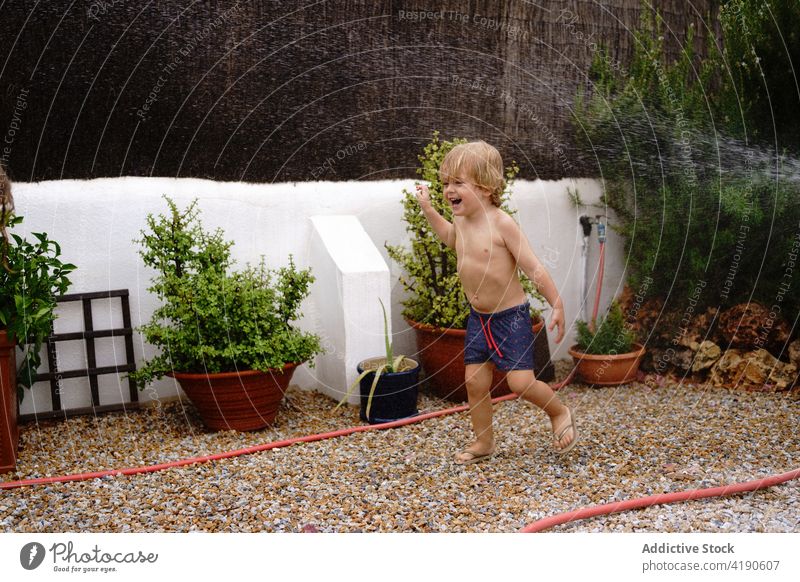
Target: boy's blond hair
[478, 163]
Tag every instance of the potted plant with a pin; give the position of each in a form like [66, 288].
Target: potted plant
[388, 384]
[606, 354]
[436, 307]
[31, 277]
[227, 337]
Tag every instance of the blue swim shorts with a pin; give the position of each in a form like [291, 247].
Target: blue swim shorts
[505, 338]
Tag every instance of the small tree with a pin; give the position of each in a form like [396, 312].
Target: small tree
[212, 320]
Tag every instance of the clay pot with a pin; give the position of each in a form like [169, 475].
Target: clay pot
[441, 352]
[9, 432]
[242, 401]
[607, 370]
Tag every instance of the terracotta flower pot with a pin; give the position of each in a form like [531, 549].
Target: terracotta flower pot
[441, 352]
[242, 401]
[9, 432]
[607, 370]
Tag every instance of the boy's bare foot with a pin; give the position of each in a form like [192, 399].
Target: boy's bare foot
[565, 433]
[474, 454]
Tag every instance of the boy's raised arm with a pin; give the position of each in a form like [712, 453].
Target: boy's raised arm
[444, 229]
[520, 248]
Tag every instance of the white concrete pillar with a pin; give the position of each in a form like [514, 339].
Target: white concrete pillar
[351, 276]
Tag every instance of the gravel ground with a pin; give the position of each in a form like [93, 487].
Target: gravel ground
[635, 441]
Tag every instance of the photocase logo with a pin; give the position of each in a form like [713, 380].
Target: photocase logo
[32, 555]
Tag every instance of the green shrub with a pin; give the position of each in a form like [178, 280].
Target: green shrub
[611, 336]
[699, 209]
[757, 97]
[31, 277]
[212, 320]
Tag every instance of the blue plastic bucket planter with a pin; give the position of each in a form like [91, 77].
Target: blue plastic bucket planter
[395, 395]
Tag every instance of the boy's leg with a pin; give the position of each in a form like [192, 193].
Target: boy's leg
[478, 379]
[525, 384]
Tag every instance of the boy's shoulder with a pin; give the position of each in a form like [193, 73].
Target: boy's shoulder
[504, 220]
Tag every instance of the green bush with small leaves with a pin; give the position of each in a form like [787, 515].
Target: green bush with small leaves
[213, 320]
[611, 336]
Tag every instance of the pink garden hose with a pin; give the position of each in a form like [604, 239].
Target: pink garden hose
[641, 502]
[237, 452]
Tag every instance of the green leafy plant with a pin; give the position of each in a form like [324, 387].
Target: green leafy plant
[213, 320]
[431, 277]
[31, 278]
[610, 336]
[757, 99]
[388, 365]
[697, 206]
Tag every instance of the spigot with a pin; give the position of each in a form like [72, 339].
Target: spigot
[601, 231]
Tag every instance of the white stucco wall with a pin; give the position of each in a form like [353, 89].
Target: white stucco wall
[95, 222]
[353, 281]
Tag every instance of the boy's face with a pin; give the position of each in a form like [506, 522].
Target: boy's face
[464, 197]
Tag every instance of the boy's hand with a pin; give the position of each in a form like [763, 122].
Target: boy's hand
[557, 319]
[443, 229]
[423, 196]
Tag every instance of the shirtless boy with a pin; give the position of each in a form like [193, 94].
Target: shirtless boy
[490, 248]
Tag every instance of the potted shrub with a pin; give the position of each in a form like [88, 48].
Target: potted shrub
[388, 384]
[227, 337]
[31, 277]
[436, 307]
[606, 354]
